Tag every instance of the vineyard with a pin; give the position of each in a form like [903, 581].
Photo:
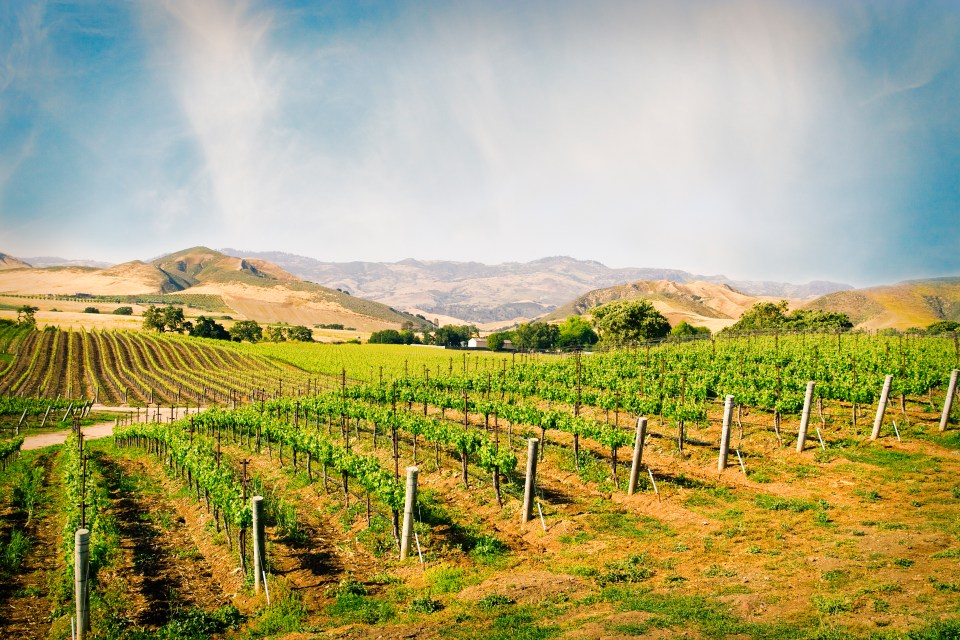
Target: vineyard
[115, 367]
[837, 513]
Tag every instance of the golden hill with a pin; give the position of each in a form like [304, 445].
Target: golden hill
[703, 304]
[913, 303]
[9, 262]
[252, 288]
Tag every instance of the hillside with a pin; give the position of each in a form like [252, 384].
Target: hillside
[704, 304]
[503, 293]
[912, 303]
[9, 262]
[251, 288]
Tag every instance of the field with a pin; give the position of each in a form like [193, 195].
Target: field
[850, 537]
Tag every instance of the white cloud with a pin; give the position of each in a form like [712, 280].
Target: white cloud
[708, 136]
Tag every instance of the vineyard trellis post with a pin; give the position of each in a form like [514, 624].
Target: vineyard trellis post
[948, 401]
[881, 407]
[531, 481]
[256, 507]
[805, 416]
[725, 433]
[81, 563]
[637, 455]
[409, 502]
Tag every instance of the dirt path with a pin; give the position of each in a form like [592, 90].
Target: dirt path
[24, 604]
[101, 430]
[161, 568]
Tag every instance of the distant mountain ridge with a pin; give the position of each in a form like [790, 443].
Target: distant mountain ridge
[510, 291]
[253, 288]
[52, 261]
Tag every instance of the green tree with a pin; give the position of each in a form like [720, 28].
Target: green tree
[766, 316]
[299, 333]
[536, 336]
[762, 316]
[26, 315]
[276, 333]
[387, 336]
[173, 319]
[944, 326]
[208, 328]
[249, 330]
[576, 332]
[625, 321]
[686, 330]
[153, 319]
[495, 341]
[91, 310]
[454, 335]
[123, 311]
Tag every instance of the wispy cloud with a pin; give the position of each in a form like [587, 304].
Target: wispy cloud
[762, 139]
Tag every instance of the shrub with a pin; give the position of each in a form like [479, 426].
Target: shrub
[123, 311]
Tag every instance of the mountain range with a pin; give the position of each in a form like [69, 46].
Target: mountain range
[248, 287]
[371, 296]
[502, 293]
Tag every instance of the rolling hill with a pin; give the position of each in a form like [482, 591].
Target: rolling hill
[252, 288]
[502, 293]
[703, 304]
[912, 303]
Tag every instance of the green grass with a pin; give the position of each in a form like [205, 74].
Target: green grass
[629, 525]
[445, 579]
[795, 505]
[686, 613]
[15, 550]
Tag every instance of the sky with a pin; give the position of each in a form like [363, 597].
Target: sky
[765, 140]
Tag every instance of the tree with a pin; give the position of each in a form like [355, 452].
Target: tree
[387, 336]
[248, 330]
[685, 330]
[536, 336]
[173, 319]
[766, 316]
[91, 310]
[944, 326]
[299, 333]
[454, 335]
[624, 321]
[409, 337]
[276, 333]
[576, 332]
[761, 316]
[208, 328]
[123, 311]
[26, 315]
[153, 319]
[495, 341]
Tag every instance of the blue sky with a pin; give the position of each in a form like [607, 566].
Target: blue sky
[758, 139]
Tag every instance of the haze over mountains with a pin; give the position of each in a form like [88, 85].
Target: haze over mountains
[251, 288]
[387, 295]
[511, 291]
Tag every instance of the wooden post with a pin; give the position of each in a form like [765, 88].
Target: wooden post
[531, 482]
[408, 505]
[81, 561]
[637, 455]
[725, 433]
[259, 556]
[805, 417]
[948, 401]
[881, 407]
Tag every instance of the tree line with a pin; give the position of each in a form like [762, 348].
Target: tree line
[170, 318]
